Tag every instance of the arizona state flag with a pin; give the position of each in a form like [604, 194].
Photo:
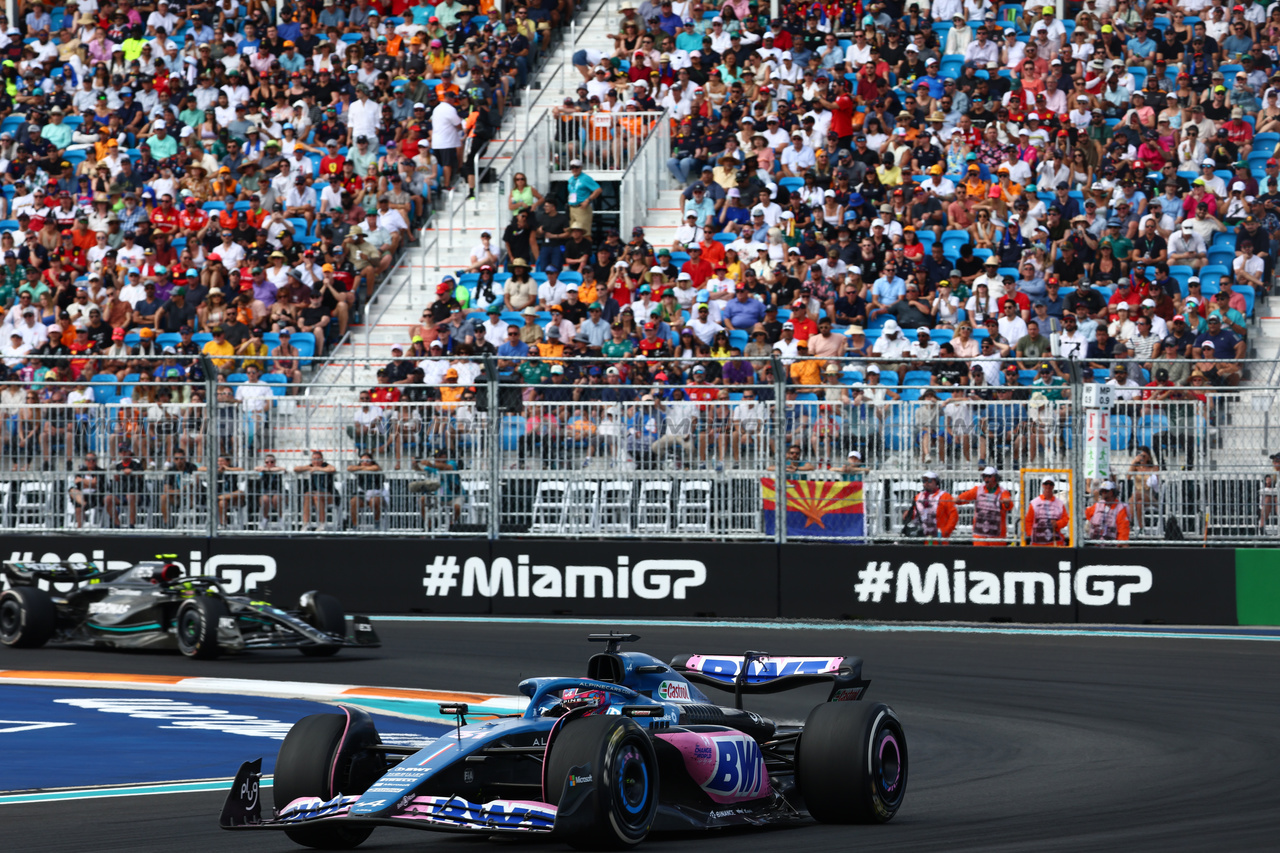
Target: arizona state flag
[825, 509]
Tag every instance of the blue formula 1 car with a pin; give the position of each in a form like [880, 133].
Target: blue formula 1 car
[599, 762]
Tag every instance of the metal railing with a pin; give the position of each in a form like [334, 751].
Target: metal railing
[645, 177]
[604, 141]
[530, 159]
[518, 448]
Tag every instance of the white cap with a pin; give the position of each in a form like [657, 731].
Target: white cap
[684, 276]
[575, 162]
[1048, 480]
[717, 20]
[875, 368]
[1107, 486]
[1013, 217]
[891, 326]
[1186, 226]
[1148, 303]
[1123, 306]
[788, 325]
[929, 475]
[1033, 117]
[853, 454]
[1238, 185]
[1208, 161]
[786, 54]
[989, 471]
[157, 125]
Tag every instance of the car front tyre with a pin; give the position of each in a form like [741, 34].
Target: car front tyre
[27, 617]
[851, 763]
[324, 613]
[196, 626]
[602, 772]
[322, 756]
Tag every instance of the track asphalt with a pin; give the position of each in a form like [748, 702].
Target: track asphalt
[1018, 743]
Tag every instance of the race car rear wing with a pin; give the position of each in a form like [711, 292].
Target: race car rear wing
[758, 673]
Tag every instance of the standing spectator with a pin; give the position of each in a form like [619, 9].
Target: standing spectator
[446, 137]
[583, 192]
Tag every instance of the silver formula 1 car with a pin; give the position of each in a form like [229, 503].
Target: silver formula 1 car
[600, 762]
[153, 605]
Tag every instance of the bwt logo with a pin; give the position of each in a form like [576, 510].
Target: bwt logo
[238, 572]
[739, 772]
[1092, 586]
[652, 580]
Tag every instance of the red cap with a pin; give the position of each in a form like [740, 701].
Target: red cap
[1273, 162]
[650, 325]
[214, 256]
[1177, 317]
[799, 303]
[117, 335]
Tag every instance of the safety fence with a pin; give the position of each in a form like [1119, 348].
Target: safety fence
[577, 447]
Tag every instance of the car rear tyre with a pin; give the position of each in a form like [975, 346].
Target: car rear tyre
[851, 763]
[196, 626]
[27, 617]
[324, 756]
[602, 773]
[324, 613]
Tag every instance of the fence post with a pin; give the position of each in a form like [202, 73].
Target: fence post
[495, 447]
[1077, 458]
[780, 450]
[211, 442]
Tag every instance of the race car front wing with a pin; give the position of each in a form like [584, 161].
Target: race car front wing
[243, 810]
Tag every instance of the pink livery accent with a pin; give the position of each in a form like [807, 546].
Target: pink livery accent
[457, 813]
[337, 753]
[728, 765]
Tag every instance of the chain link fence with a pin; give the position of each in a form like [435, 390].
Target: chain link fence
[579, 447]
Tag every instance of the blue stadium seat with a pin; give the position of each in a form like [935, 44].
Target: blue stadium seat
[104, 387]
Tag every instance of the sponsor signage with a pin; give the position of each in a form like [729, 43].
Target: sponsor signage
[618, 578]
[729, 580]
[1008, 584]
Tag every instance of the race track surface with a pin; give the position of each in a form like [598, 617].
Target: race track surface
[1017, 743]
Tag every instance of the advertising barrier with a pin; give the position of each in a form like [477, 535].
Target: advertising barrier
[1192, 586]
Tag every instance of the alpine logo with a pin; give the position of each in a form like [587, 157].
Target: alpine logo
[1092, 586]
[674, 691]
[652, 580]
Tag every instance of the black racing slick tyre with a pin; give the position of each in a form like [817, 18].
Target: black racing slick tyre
[324, 613]
[196, 626]
[851, 763]
[27, 617]
[323, 756]
[602, 774]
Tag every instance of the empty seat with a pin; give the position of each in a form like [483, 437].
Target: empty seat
[549, 507]
[653, 510]
[693, 507]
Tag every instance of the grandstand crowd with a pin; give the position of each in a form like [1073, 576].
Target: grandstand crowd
[182, 178]
[909, 202]
[920, 183]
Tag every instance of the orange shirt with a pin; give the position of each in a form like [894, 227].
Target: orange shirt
[84, 240]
